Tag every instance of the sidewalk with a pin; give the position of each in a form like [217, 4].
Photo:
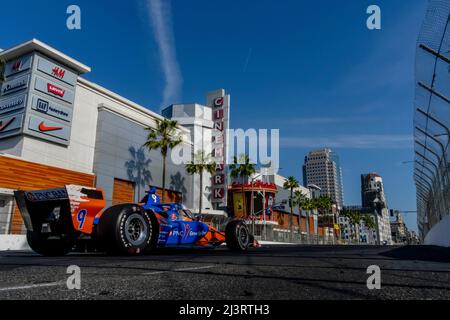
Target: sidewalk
[13, 242]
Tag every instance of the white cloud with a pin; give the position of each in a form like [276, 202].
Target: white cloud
[159, 12]
[368, 141]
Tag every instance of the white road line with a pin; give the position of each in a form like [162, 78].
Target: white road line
[156, 272]
[41, 285]
[194, 268]
[179, 270]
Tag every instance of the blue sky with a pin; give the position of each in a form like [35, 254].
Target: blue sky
[310, 68]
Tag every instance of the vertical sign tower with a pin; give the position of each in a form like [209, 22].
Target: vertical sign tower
[219, 102]
[37, 96]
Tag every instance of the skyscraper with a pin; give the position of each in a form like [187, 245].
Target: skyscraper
[322, 168]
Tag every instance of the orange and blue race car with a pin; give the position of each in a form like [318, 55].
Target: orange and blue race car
[58, 220]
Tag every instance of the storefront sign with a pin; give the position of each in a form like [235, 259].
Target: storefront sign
[52, 109]
[56, 71]
[42, 91]
[12, 104]
[15, 85]
[18, 65]
[50, 128]
[11, 123]
[220, 110]
[54, 90]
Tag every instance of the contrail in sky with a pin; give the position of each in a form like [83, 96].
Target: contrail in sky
[159, 12]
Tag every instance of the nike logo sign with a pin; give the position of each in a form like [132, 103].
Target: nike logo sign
[3, 126]
[44, 128]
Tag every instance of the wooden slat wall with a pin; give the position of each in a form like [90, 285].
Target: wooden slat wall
[123, 191]
[170, 195]
[18, 174]
[17, 226]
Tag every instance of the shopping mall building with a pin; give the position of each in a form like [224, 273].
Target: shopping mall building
[57, 128]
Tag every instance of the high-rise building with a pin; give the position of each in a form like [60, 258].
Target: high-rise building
[373, 197]
[322, 168]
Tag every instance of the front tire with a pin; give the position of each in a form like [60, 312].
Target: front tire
[44, 245]
[237, 236]
[126, 229]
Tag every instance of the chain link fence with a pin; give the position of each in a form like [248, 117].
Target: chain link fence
[273, 234]
[285, 237]
[432, 117]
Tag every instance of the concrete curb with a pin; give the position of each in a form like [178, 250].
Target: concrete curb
[276, 243]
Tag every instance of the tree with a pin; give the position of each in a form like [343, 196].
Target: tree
[354, 218]
[163, 137]
[324, 204]
[299, 200]
[290, 184]
[369, 222]
[242, 169]
[308, 206]
[199, 165]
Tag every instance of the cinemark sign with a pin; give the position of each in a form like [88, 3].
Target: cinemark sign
[220, 110]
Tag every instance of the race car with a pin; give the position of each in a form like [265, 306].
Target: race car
[58, 219]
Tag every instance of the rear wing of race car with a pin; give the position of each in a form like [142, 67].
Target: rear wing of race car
[76, 204]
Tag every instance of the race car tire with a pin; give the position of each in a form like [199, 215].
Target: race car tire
[237, 236]
[155, 232]
[126, 229]
[47, 246]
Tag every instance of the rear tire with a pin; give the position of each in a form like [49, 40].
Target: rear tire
[40, 243]
[237, 236]
[126, 229]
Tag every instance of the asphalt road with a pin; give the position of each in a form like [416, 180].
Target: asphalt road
[271, 272]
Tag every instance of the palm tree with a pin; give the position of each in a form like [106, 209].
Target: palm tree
[290, 184]
[300, 201]
[242, 169]
[163, 137]
[368, 221]
[201, 164]
[308, 206]
[354, 218]
[318, 204]
[325, 203]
